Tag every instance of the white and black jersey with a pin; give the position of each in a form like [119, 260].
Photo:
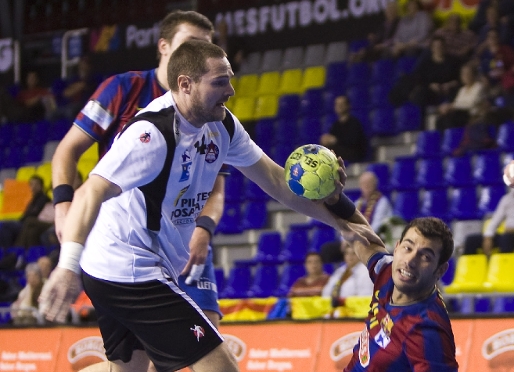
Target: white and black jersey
[166, 169]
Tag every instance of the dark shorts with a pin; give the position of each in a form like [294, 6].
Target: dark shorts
[153, 316]
[205, 291]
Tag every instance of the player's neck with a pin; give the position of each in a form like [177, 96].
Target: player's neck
[401, 299]
[162, 77]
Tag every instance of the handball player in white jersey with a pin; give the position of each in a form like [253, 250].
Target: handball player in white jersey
[128, 228]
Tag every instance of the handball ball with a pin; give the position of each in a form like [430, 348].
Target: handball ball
[311, 170]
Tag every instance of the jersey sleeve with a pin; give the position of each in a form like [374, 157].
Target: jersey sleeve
[102, 109]
[243, 151]
[136, 157]
[429, 348]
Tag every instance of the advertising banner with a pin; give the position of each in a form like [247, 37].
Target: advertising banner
[6, 61]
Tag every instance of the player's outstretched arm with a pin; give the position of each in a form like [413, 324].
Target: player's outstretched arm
[64, 170]
[63, 285]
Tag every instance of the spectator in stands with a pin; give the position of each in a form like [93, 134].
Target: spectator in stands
[459, 42]
[466, 104]
[25, 309]
[373, 205]
[436, 76]
[311, 284]
[491, 238]
[346, 137]
[37, 101]
[78, 90]
[494, 22]
[351, 279]
[380, 41]
[9, 230]
[497, 65]
[232, 45]
[505, 9]
[413, 30]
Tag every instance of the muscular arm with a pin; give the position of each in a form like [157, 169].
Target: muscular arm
[64, 168]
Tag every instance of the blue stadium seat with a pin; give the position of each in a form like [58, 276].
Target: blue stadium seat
[327, 121]
[32, 254]
[235, 187]
[321, 234]
[403, 174]
[505, 136]
[358, 96]
[487, 169]
[59, 128]
[13, 157]
[33, 153]
[358, 74]
[458, 171]
[379, 95]
[408, 118]
[265, 281]
[364, 116]
[336, 78]
[406, 205]
[286, 131]
[356, 45]
[253, 192]
[310, 129]
[382, 72]
[238, 282]
[230, 222]
[503, 304]
[489, 197]
[430, 173]
[22, 134]
[288, 107]
[404, 65]
[312, 102]
[41, 131]
[382, 121]
[268, 247]
[434, 203]
[448, 276]
[290, 273]
[281, 152]
[381, 170]
[6, 135]
[255, 215]
[452, 138]
[265, 133]
[296, 244]
[463, 204]
[428, 144]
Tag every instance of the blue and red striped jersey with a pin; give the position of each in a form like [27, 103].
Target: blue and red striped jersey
[415, 337]
[115, 102]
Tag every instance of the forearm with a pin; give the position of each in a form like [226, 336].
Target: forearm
[214, 206]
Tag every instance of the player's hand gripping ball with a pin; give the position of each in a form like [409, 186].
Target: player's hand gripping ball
[311, 171]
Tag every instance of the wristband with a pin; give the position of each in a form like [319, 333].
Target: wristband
[344, 207]
[69, 257]
[62, 193]
[206, 223]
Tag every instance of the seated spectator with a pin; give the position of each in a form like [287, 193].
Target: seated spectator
[413, 30]
[466, 104]
[312, 283]
[459, 42]
[24, 310]
[373, 205]
[9, 230]
[380, 41]
[38, 102]
[504, 7]
[351, 279]
[346, 136]
[497, 22]
[490, 237]
[77, 91]
[496, 63]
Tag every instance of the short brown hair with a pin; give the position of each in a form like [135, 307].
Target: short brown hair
[434, 228]
[189, 59]
[170, 23]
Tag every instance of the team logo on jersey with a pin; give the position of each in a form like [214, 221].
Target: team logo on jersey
[186, 165]
[212, 152]
[198, 332]
[364, 348]
[200, 148]
[145, 137]
[383, 337]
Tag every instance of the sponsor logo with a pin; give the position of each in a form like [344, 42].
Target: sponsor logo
[186, 165]
[236, 346]
[212, 153]
[343, 346]
[198, 332]
[142, 38]
[364, 348]
[145, 137]
[200, 148]
[86, 351]
[6, 54]
[497, 344]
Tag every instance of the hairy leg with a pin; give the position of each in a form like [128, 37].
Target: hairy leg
[218, 360]
[139, 362]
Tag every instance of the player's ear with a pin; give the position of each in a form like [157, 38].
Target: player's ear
[164, 46]
[441, 270]
[184, 83]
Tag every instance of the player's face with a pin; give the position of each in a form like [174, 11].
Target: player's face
[208, 96]
[415, 266]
